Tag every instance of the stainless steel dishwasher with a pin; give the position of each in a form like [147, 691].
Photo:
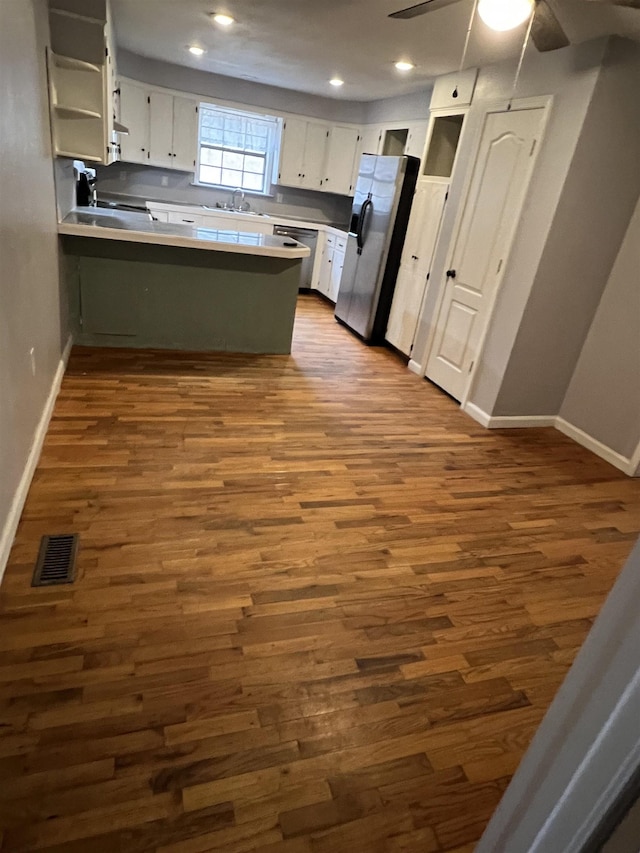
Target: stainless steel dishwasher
[308, 237]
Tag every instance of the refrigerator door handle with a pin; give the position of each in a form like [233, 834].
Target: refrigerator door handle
[362, 221]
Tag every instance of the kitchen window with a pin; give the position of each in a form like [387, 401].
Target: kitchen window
[236, 150]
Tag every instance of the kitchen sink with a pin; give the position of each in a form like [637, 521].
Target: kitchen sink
[232, 210]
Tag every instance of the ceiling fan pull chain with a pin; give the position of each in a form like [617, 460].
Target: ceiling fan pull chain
[521, 60]
[454, 94]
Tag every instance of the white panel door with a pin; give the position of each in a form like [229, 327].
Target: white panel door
[422, 234]
[315, 150]
[341, 153]
[134, 114]
[185, 134]
[161, 130]
[294, 132]
[500, 178]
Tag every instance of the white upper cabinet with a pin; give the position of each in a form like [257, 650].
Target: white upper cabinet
[185, 134]
[454, 90]
[341, 155]
[302, 153]
[134, 114]
[315, 152]
[82, 81]
[371, 140]
[416, 139]
[294, 132]
[163, 128]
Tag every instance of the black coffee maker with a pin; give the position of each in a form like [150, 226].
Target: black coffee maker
[86, 191]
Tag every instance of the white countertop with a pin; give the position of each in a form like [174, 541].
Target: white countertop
[132, 227]
[237, 216]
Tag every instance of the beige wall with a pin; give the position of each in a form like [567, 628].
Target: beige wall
[29, 297]
[603, 398]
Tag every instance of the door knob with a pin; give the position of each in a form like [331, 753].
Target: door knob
[451, 273]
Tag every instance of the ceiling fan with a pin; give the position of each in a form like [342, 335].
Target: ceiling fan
[546, 30]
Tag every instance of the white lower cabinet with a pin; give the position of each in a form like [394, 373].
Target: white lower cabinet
[331, 265]
[324, 281]
[337, 265]
[417, 254]
[185, 219]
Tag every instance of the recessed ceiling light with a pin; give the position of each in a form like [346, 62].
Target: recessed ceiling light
[336, 81]
[195, 50]
[403, 65]
[223, 20]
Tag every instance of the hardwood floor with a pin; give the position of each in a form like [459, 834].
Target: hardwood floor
[318, 609]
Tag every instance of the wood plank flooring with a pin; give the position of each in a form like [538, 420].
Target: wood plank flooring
[318, 610]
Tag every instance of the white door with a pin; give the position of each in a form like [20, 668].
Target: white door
[134, 114]
[500, 178]
[161, 129]
[341, 153]
[294, 132]
[315, 150]
[422, 233]
[185, 134]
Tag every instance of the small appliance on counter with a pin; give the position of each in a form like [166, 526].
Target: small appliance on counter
[86, 185]
[381, 207]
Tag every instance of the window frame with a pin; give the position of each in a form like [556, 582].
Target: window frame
[272, 155]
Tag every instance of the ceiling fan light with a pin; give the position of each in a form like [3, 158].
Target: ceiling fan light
[503, 15]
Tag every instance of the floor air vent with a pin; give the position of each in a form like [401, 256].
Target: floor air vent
[56, 560]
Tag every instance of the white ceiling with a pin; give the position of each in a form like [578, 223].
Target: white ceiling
[300, 44]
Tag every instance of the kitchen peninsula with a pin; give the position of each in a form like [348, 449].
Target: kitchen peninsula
[135, 282]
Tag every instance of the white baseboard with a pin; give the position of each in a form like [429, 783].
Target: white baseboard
[415, 367]
[477, 414]
[631, 466]
[11, 524]
[508, 421]
[597, 447]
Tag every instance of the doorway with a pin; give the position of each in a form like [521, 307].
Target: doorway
[493, 203]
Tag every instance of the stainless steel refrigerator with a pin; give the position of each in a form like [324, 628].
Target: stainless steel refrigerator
[381, 207]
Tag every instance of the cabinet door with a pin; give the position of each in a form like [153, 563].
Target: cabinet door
[341, 153]
[370, 141]
[337, 263]
[161, 130]
[416, 139]
[134, 114]
[185, 133]
[315, 149]
[324, 284]
[420, 241]
[294, 132]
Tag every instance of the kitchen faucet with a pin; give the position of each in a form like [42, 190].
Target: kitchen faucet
[234, 206]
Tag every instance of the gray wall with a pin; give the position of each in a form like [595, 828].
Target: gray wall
[205, 83]
[29, 297]
[569, 76]
[413, 106]
[144, 183]
[604, 394]
[598, 199]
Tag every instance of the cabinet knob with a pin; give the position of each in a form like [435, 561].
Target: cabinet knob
[414, 257]
[451, 273]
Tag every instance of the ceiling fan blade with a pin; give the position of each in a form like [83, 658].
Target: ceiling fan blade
[421, 9]
[631, 4]
[546, 32]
